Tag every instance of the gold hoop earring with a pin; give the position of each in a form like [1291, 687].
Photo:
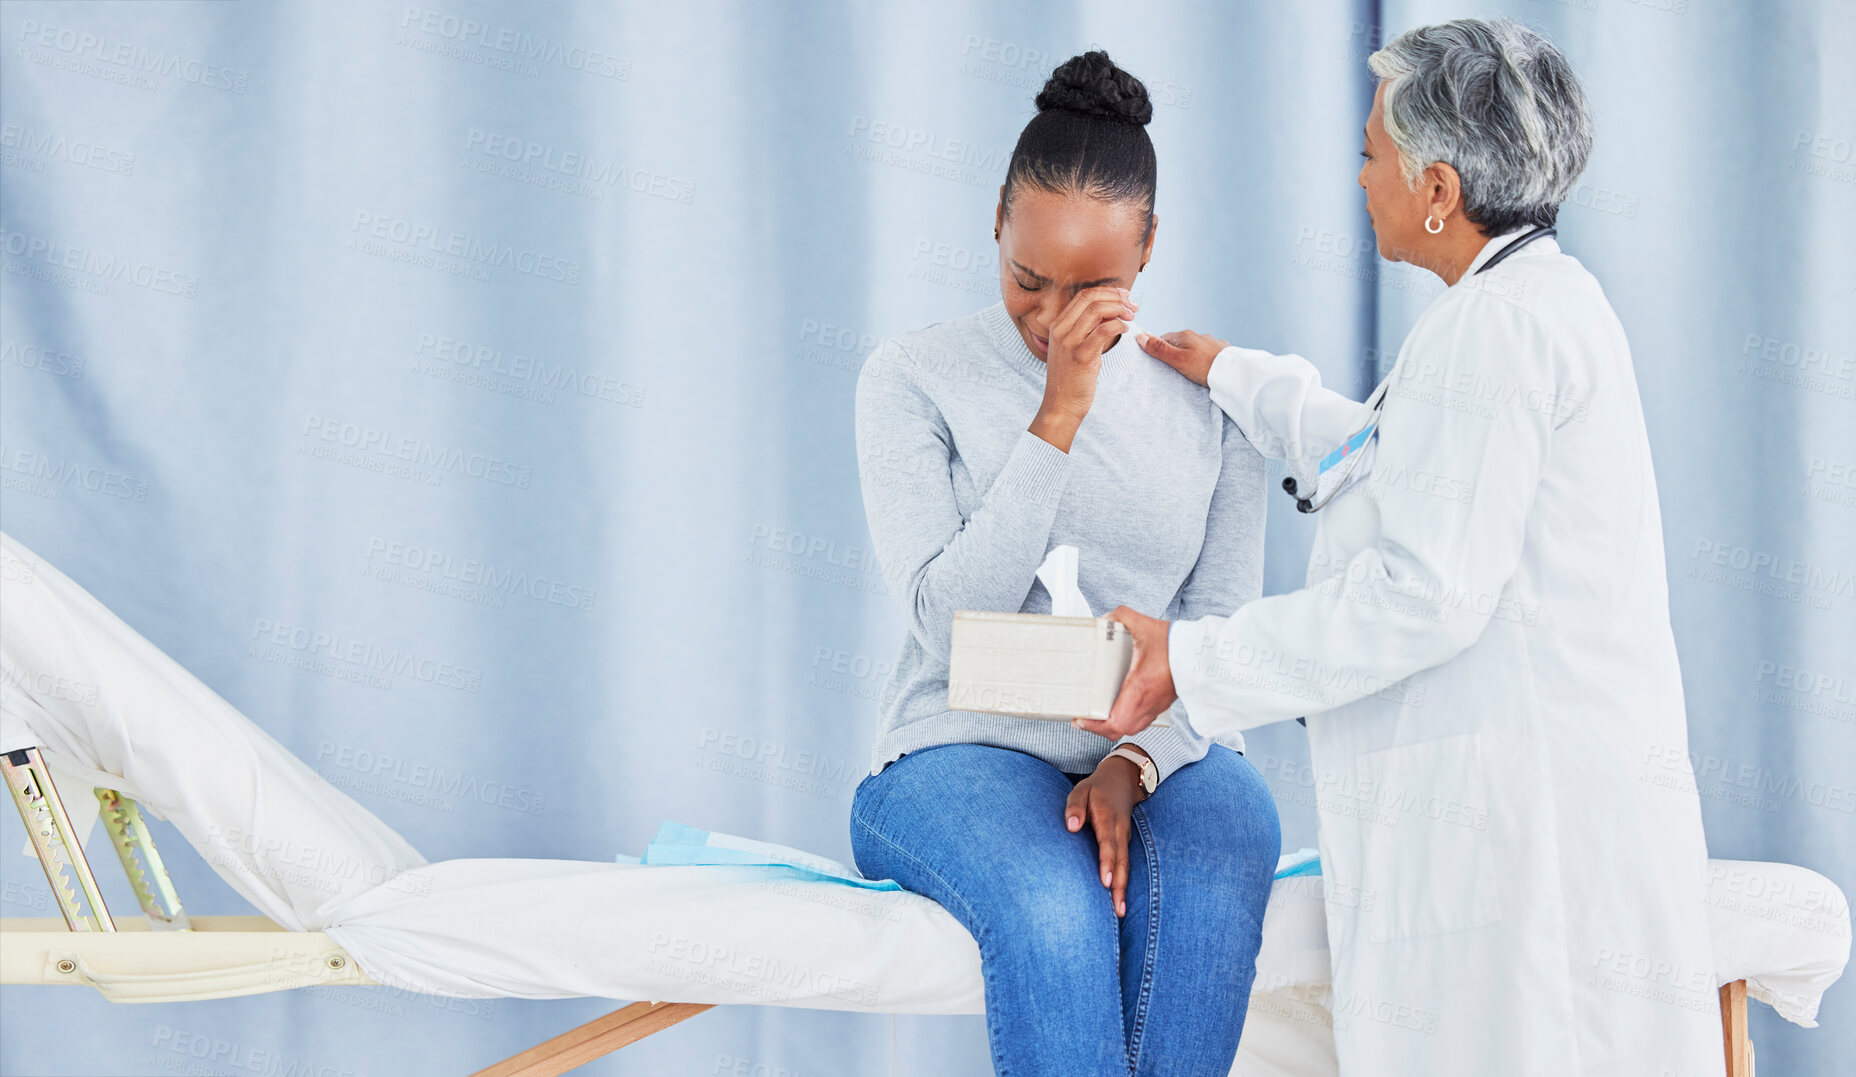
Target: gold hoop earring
[1427, 224]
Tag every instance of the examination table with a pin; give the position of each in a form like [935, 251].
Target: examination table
[94, 718]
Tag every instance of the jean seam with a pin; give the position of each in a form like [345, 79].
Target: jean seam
[919, 863]
[1135, 1035]
[992, 1029]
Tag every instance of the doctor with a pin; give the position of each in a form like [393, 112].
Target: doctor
[1509, 824]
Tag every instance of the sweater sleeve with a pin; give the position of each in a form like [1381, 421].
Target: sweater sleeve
[1279, 403]
[935, 561]
[1229, 574]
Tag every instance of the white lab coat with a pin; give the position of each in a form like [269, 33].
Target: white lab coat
[1509, 824]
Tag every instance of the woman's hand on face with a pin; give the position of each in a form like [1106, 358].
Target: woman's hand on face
[1185, 351]
[1093, 317]
[1105, 800]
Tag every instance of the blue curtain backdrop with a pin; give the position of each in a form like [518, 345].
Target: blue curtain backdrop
[613, 268]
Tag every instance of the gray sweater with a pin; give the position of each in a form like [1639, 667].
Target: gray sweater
[1160, 493]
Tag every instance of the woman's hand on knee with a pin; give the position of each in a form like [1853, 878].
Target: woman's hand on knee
[1105, 801]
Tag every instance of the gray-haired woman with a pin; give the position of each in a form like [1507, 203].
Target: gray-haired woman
[1509, 823]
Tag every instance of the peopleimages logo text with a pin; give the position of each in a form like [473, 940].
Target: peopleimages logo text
[467, 248]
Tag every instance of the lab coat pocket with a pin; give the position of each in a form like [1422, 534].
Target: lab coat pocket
[1425, 843]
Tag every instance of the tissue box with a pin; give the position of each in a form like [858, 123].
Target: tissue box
[1036, 666]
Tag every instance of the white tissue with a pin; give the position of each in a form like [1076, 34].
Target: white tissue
[1058, 574]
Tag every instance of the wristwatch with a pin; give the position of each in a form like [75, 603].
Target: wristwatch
[1150, 774]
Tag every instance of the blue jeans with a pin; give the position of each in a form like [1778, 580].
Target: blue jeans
[1071, 990]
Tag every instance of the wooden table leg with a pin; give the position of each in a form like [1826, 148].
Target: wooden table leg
[1733, 1030]
[595, 1039]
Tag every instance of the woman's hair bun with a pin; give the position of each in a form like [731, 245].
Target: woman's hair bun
[1092, 85]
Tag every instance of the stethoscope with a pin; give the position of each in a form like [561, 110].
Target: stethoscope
[1337, 467]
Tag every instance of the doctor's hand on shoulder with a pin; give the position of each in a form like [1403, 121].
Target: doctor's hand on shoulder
[1185, 351]
[1147, 690]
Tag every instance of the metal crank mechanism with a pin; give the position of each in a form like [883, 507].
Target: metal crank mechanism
[61, 849]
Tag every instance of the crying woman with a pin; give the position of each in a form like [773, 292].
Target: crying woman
[1116, 891]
